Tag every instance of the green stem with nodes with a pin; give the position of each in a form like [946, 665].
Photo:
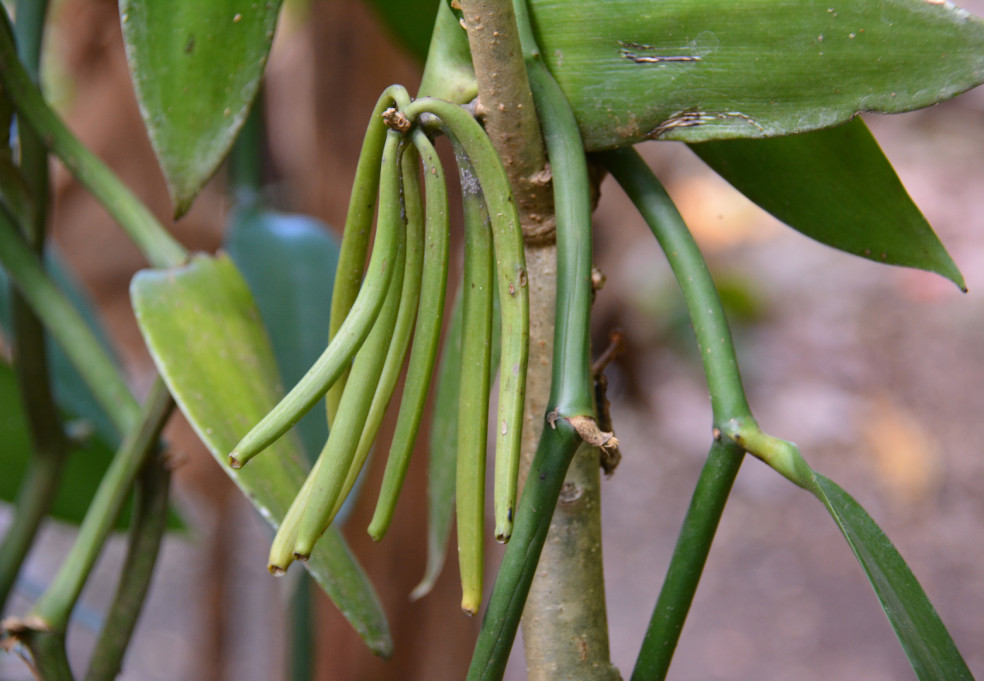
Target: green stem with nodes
[159, 247]
[328, 477]
[146, 532]
[358, 228]
[426, 337]
[358, 316]
[735, 430]
[55, 605]
[513, 294]
[67, 327]
[573, 395]
[405, 318]
[473, 390]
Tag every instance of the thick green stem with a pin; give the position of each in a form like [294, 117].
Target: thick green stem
[159, 247]
[55, 605]
[146, 533]
[48, 652]
[687, 563]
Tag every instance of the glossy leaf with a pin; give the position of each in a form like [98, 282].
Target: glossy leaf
[289, 263]
[196, 67]
[204, 333]
[696, 70]
[931, 651]
[836, 186]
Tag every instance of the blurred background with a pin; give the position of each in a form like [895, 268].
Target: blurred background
[876, 372]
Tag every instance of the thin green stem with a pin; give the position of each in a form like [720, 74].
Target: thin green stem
[55, 605]
[687, 564]
[512, 583]
[30, 348]
[37, 489]
[159, 247]
[146, 533]
[573, 395]
[717, 350]
[67, 327]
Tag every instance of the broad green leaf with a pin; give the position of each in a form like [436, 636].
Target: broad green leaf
[836, 186]
[927, 643]
[196, 67]
[697, 70]
[289, 263]
[410, 21]
[205, 335]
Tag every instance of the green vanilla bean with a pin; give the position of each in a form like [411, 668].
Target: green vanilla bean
[356, 326]
[426, 338]
[441, 454]
[358, 226]
[355, 403]
[473, 389]
[156, 244]
[406, 316]
[146, 532]
[513, 294]
[55, 605]
[67, 327]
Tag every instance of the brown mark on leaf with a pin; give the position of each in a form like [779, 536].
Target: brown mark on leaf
[641, 53]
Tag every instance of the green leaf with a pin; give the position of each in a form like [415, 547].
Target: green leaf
[289, 263]
[696, 70]
[927, 643]
[836, 186]
[196, 67]
[204, 333]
